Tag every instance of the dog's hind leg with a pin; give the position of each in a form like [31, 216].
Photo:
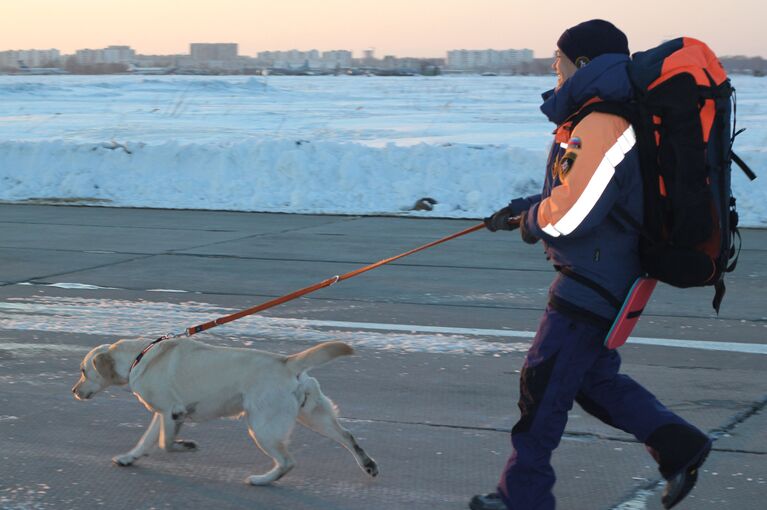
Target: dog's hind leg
[319, 414]
[171, 425]
[271, 429]
[147, 442]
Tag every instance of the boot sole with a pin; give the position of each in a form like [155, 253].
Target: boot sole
[690, 477]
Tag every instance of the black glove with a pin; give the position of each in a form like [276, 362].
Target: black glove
[523, 233]
[503, 219]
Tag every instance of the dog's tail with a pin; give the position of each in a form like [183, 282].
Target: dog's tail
[317, 355]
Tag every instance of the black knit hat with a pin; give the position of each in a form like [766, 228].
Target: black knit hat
[586, 41]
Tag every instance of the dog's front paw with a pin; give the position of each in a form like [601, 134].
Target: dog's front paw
[184, 445]
[124, 460]
[259, 480]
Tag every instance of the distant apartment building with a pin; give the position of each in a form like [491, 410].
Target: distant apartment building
[337, 59]
[29, 58]
[161, 60]
[290, 59]
[108, 55]
[411, 65]
[213, 51]
[311, 59]
[487, 60]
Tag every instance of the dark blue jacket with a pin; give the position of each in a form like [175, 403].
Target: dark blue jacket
[590, 169]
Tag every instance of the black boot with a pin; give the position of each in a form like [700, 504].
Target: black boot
[490, 501]
[680, 451]
[679, 485]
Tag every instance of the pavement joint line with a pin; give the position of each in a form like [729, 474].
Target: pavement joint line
[716, 434]
[260, 234]
[79, 270]
[569, 435]
[739, 418]
[361, 263]
[566, 435]
[67, 250]
[7, 222]
[738, 450]
[177, 253]
[168, 252]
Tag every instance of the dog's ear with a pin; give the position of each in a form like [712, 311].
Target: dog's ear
[105, 366]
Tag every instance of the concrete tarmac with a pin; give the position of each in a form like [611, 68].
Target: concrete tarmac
[433, 407]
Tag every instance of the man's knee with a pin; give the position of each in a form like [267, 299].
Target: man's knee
[593, 408]
[533, 383]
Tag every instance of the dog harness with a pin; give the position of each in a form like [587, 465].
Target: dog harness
[145, 350]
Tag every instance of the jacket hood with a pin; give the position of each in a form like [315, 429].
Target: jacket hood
[605, 77]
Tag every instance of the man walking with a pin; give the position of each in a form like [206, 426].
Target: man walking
[591, 168]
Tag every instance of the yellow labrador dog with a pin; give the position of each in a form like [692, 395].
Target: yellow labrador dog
[181, 379]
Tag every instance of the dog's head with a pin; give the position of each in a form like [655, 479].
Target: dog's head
[97, 371]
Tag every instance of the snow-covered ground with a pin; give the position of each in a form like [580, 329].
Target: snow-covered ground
[352, 145]
[150, 319]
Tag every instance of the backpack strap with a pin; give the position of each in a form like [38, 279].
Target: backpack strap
[630, 112]
[734, 254]
[743, 166]
[720, 289]
[735, 158]
[577, 313]
[588, 282]
[626, 110]
[619, 211]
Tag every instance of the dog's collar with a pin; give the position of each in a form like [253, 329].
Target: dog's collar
[145, 350]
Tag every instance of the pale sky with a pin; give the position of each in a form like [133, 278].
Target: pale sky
[419, 28]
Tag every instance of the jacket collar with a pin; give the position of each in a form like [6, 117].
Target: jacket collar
[605, 77]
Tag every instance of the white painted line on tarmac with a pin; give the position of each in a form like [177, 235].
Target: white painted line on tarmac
[129, 318]
[70, 286]
[703, 345]
[637, 502]
[507, 333]
[414, 328]
[29, 347]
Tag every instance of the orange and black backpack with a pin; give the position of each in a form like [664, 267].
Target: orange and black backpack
[684, 117]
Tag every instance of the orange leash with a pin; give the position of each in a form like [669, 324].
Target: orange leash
[317, 286]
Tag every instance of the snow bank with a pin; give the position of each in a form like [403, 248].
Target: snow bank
[320, 145]
[272, 175]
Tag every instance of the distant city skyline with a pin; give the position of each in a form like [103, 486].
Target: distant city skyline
[234, 51]
[225, 57]
[420, 28]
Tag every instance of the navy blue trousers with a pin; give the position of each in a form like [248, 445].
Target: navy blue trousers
[568, 362]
